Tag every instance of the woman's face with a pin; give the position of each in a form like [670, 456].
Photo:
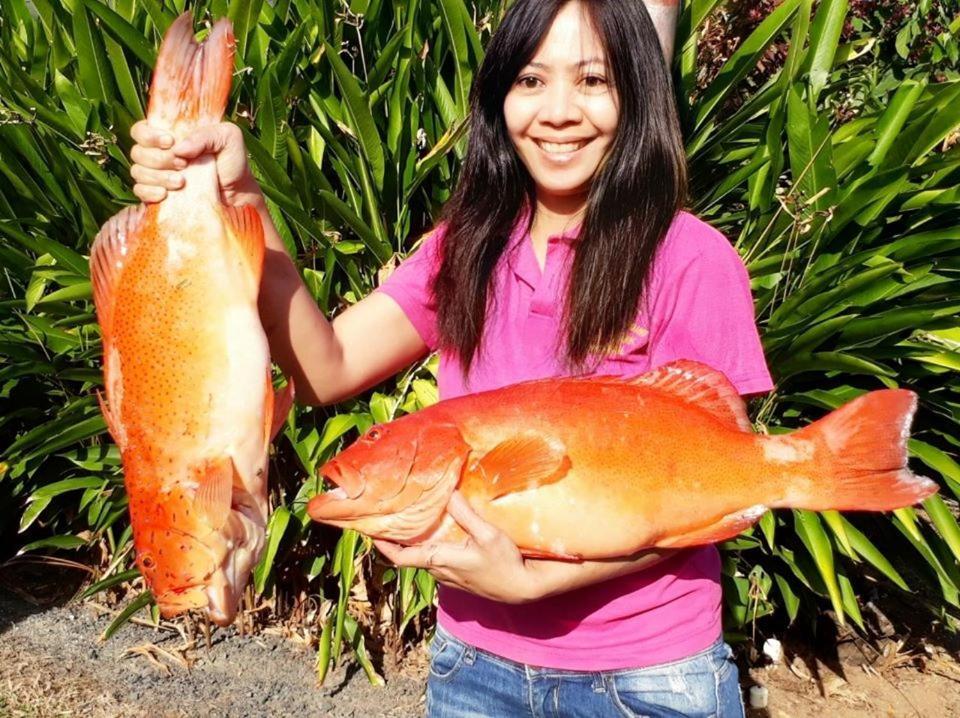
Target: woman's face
[561, 112]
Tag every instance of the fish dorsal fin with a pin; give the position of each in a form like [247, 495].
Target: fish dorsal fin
[516, 464]
[111, 251]
[214, 490]
[191, 82]
[698, 384]
[245, 230]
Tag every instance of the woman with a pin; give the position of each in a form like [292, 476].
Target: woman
[563, 250]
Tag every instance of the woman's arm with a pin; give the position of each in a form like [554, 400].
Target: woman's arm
[489, 564]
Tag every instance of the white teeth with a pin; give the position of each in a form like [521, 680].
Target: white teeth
[555, 148]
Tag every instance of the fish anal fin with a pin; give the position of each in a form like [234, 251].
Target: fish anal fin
[728, 527]
[516, 464]
[699, 384]
[215, 480]
[111, 251]
[245, 230]
[536, 553]
[191, 82]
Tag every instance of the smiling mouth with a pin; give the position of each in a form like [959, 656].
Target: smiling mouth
[564, 148]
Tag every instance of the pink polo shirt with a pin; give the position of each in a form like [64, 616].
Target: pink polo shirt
[699, 308]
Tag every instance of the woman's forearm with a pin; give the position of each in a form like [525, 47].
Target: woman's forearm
[555, 577]
[301, 339]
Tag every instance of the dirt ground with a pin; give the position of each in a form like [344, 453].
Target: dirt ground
[52, 663]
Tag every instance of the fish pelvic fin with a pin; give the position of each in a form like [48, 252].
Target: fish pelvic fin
[192, 80]
[519, 463]
[865, 467]
[702, 386]
[215, 479]
[245, 232]
[276, 407]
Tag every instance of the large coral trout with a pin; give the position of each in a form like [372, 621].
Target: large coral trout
[190, 400]
[603, 467]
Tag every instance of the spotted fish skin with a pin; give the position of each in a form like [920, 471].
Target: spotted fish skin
[603, 467]
[187, 373]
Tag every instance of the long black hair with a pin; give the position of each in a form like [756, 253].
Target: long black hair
[632, 200]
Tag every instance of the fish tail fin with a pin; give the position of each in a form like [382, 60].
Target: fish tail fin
[866, 464]
[191, 82]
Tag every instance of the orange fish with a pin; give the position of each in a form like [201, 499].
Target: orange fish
[190, 400]
[603, 467]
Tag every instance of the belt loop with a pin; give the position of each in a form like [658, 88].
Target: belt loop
[599, 684]
[470, 655]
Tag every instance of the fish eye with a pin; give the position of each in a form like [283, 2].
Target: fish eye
[147, 562]
[374, 434]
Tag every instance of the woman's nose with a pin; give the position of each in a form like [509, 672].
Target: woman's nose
[560, 104]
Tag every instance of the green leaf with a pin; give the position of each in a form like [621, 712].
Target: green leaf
[825, 36]
[94, 69]
[244, 15]
[811, 159]
[808, 527]
[894, 117]
[139, 603]
[64, 542]
[358, 110]
[276, 527]
[123, 31]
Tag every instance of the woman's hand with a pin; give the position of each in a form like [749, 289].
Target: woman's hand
[157, 160]
[487, 563]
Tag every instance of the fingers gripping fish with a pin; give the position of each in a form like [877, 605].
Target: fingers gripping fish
[189, 396]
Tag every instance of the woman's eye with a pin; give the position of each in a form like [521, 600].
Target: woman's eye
[528, 82]
[595, 81]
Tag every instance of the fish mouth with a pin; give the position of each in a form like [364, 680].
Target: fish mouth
[341, 485]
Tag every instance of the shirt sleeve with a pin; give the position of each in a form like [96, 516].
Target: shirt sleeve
[702, 307]
[410, 286]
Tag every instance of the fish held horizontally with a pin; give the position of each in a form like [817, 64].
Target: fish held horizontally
[602, 467]
[189, 396]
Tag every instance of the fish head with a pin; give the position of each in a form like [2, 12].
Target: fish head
[394, 481]
[194, 565]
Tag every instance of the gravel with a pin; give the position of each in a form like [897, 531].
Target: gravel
[53, 663]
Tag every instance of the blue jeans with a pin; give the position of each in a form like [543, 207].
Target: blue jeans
[468, 682]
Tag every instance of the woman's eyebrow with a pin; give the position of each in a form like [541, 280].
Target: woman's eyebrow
[590, 61]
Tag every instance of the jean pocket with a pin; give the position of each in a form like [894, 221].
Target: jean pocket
[446, 657]
[681, 689]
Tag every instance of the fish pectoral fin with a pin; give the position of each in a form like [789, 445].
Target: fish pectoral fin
[215, 479]
[698, 384]
[114, 425]
[112, 249]
[516, 464]
[245, 230]
[726, 528]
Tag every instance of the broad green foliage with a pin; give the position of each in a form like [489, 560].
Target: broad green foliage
[836, 178]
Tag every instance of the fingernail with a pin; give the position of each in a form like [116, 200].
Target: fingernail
[177, 180]
[166, 141]
[179, 163]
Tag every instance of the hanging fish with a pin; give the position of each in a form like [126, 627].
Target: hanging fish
[189, 396]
